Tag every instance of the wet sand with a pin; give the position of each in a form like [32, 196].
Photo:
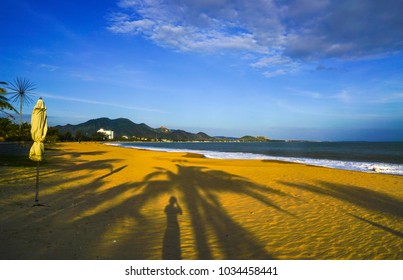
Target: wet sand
[110, 202]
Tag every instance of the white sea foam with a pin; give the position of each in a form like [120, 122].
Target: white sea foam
[372, 167]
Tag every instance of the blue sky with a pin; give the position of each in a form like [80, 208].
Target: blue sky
[316, 70]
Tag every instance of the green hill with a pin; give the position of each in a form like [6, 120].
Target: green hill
[125, 127]
[253, 139]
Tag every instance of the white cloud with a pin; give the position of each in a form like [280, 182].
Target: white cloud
[343, 28]
[279, 33]
[125, 25]
[197, 25]
[49, 67]
[274, 73]
[392, 98]
[343, 96]
[309, 94]
[272, 61]
[95, 102]
[276, 65]
[205, 26]
[83, 77]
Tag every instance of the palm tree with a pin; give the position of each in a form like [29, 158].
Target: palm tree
[4, 102]
[21, 89]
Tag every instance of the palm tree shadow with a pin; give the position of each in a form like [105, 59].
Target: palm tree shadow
[217, 234]
[171, 245]
[356, 195]
[209, 220]
[377, 225]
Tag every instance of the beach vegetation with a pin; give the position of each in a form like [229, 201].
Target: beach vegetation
[53, 135]
[67, 136]
[4, 101]
[9, 131]
[6, 128]
[21, 90]
[98, 136]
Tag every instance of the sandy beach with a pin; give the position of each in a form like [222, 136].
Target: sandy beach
[106, 202]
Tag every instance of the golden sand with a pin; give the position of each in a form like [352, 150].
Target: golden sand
[108, 202]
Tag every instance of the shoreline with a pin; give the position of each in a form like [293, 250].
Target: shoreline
[352, 165]
[108, 202]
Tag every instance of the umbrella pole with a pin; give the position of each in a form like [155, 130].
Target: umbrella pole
[37, 184]
[37, 188]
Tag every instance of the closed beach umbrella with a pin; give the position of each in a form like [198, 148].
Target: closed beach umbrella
[39, 128]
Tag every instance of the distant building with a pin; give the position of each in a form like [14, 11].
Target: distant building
[107, 133]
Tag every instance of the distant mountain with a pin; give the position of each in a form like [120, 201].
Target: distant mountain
[125, 127]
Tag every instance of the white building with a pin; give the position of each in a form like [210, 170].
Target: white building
[108, 133]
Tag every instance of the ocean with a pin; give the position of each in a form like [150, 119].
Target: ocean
[381, 157]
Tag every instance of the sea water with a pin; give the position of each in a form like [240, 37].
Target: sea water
[381, 157]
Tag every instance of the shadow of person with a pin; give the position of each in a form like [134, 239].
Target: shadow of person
[171, 245]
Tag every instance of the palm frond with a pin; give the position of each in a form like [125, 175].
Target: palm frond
[3, 90]
[21, 90]
[5, 104]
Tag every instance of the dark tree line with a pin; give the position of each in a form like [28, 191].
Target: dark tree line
[10, 131]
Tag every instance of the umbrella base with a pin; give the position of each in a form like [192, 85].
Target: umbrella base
[39, 204]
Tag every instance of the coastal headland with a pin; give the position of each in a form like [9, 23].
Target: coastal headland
[108, 202]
